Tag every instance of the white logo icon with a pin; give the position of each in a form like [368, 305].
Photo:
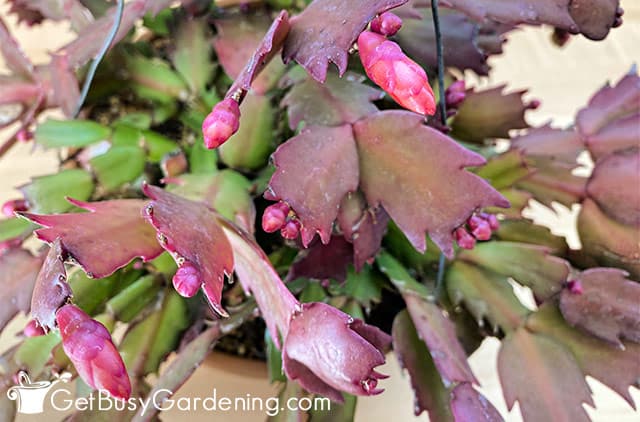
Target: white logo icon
[30, 395]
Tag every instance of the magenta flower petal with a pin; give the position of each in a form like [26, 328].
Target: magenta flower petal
[328, 351]
[88, 345]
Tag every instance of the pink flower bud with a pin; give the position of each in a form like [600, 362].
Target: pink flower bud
[275, 217]
[494, 223]
[575, 287]
[386, 24]
[187, 280]
[14, 205]
[24, 135]
[327, 352]
[455, 94]
[480, 228]
[221, 123]
[291, 229]
[464, 239]
[32, 329]
[88, 345]
[402, 78]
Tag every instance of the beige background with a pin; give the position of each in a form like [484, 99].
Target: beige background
[562, 78]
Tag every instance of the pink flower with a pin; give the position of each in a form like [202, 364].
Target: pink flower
[386, 24]
[402, 78]
[89, 346]
[221, 123]
[327, 351]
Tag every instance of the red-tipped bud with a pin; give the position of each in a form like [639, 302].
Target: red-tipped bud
[14, 205]
[386, 24]
[221, 123]
[88, 345]
[455, 94]
[291, 229]
[32, 329]
[464, 239]
[575, 287]
[402, 78]
[480, 228]
[187, 280]
[275, 217]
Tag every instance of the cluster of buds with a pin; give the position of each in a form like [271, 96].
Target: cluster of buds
[221, 123]
[90, 348]
[12, 206]
[480, 227]
[386, 64]
[280, 216]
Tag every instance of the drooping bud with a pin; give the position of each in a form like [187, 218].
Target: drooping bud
[455, 94]
[480, 228]
[402, 78]
[187, 280]
[387, 24]
[32, 329]
[14, 205]
[88, 345]
[221, 123]
[275, 217]
[464, 239]
[291, 229]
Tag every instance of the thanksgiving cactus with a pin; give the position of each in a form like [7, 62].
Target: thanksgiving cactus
[366, 209]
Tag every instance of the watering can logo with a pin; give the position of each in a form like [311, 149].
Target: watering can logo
[31, 395]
